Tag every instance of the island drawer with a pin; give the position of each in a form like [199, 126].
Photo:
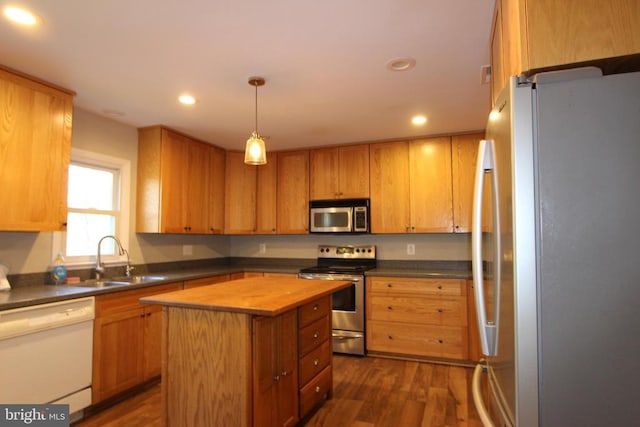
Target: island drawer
[312, 363]
[314, 334]
[314, 310]
[316, 390]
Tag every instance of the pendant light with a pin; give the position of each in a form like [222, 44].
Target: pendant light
[255, 153]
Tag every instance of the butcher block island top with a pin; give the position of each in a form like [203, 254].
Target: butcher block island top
[250, 352]
[261, 296]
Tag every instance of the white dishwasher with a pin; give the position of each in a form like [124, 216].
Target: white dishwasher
[46, 354]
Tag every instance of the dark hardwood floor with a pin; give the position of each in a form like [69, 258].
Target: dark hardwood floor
[368, 392]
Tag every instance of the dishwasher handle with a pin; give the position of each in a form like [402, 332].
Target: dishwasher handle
[28, 320]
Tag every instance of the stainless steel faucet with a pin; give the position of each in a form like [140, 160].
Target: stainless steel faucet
[121, 251]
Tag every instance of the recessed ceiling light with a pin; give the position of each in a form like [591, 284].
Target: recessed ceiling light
[187, 99]
[401, 64]
[21, 16]
[418, 120]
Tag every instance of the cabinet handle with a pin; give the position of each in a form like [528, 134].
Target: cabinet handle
[390, 337]
[148, 314]
[390, 308]
[284, 373]
[317, 389]
[440, 287]
[316, 362]
[440, 341]
[315, 307]
[142, 316]
[389, 285]
[276, 378]
[316, 334]
[440, 310]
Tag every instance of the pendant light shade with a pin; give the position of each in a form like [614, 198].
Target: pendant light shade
[255, 152]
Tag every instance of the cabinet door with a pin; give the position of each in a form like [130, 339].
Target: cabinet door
[117, 358]
[275, 370]
[195, 206]
[354, 171]
[240, 195]
[323, 174]
[464, 153]
[35, 138]
[152, 357]
[266, 196]
[174, 157]
[216, 190]
[430, 185]
[390, 187]
[293, 192]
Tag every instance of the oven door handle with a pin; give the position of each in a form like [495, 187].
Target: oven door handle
[342, 337]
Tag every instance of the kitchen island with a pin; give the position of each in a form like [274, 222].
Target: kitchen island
[247, 352]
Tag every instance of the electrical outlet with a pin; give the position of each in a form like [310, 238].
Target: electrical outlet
[263, 248]
[411, 249]
[187, 250]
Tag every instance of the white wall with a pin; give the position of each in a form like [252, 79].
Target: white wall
[31, 252]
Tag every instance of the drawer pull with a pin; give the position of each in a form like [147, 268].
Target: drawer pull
[390, 308]
[440, 341]
[316, 334]
[439, 286]
[316, 362]
[317, 389]
[440, 310]
[390, 337]
[389, 285]
[315, 307]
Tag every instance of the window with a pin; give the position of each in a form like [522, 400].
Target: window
[97, 202]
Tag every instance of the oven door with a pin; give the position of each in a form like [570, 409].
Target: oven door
[331, 219]
[348, 313]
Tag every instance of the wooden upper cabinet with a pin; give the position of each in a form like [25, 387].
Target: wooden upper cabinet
[293, 192]
[173, 183]
[217, 159]
[464, 153]
[411, 186]
[540, 34]
[35, 141]
[250, 196]
[390, 212]
[240, 195]
[430, 185]
[339, 172]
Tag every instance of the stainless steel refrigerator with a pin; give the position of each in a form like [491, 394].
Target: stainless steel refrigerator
[556, 252]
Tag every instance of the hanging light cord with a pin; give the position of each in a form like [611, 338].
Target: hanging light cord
[256, 86]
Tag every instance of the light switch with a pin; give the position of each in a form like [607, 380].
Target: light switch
[411, 249]
[187, 250]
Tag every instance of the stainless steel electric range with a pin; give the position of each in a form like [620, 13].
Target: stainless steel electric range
[345, 263]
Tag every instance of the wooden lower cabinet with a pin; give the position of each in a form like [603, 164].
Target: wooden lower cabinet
[421, 317]
[244, 369]
[126, 341]
[275, 383]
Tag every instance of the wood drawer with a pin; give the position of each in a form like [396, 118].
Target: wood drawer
[423, 340]
[314, 310]
[315, 361]
[420, 310]
[204, 281]
[314, 334]
[416, 286]
[126, 300]
[316, 390]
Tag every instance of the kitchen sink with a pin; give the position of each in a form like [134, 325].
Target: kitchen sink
[123, 280]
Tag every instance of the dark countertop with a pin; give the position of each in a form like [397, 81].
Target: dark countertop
[23, 296]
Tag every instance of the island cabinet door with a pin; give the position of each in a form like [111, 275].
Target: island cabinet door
[275, 370]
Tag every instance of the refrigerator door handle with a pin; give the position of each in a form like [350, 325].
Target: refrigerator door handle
[487, 329]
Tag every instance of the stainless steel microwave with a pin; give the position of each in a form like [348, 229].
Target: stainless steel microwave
[339, 216]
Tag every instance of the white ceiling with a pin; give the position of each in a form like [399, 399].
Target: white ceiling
[324, 63]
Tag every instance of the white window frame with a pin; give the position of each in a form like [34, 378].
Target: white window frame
[59, 240]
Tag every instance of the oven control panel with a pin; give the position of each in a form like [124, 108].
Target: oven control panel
[347, 252]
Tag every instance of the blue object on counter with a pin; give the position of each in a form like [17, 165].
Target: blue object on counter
[59, 270]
